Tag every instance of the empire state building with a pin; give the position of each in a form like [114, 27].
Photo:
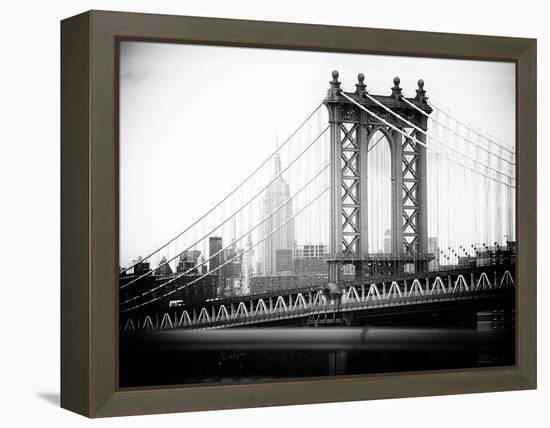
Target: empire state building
[282, 241]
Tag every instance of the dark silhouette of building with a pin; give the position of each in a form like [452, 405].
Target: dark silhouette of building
[188, 262]
[214, 246]
[141, 266]
[163, 268]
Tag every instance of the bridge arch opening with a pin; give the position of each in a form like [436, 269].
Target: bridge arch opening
[379, 191]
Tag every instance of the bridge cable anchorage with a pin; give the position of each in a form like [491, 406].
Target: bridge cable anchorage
[385, 122]
[277, 150]
[257, 194]
[230, 260]
[147, 292]
[489, 152]
[398, 116]
[487, 137]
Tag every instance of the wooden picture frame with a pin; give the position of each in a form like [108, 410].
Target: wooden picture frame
[89, 222]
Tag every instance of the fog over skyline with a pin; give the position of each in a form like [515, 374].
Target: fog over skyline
[195, 120]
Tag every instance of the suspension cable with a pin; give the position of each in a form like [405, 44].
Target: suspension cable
[233, 214]
[175, 290]
[376, 142]
[485, 137]
[458, 134]
[134, 264]
[436, 139]
[420, 142]
[145, 293]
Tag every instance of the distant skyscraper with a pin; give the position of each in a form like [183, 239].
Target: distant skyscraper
[274, 196]
[188, 261]
[433, 247]
[247, 266]
[215, 245]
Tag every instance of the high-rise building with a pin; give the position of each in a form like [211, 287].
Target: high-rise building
[188, 261]
[140, 266]
[232, 263]
[283, 239]
[214, 247]
[247, 266]
[216, 260]
[433, 247]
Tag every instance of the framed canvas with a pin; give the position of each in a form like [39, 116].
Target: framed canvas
[261, 213]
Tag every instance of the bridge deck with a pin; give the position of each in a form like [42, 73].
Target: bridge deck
[433, 288]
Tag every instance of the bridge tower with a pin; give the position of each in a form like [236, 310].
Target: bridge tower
[351, 129]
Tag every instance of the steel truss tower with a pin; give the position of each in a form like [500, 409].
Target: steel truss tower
[351, 129]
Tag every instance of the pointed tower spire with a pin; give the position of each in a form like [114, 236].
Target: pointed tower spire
[277, 158]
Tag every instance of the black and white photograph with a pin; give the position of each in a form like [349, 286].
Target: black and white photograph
[290, 214]
[231, 214]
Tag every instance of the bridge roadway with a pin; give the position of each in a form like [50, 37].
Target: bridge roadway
[451, 285]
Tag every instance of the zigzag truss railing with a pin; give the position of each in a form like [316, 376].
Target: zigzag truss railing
[354, 297]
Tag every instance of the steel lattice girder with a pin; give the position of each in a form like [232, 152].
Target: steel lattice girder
[350, 188]
[411, 207]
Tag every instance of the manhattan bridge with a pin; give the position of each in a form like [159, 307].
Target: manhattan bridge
[375, 205]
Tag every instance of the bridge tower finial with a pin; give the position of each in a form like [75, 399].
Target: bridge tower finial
[421, 92]
[334, 85]
[396, 90]
[361, 87]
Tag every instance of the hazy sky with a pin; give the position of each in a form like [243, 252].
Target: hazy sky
[194, 120]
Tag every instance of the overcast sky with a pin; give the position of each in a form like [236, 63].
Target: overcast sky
[194, 120]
